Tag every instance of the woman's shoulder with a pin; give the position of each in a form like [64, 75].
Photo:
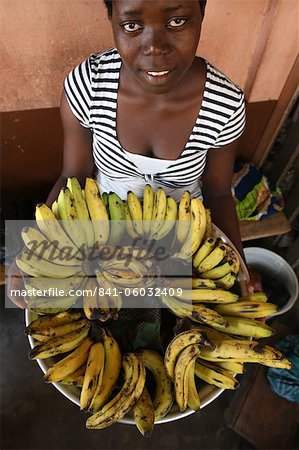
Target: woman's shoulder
[220, 81]
[105, 58]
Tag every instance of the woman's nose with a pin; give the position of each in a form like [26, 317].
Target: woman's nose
[156, 43]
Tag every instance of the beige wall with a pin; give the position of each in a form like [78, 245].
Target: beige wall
[255, 42]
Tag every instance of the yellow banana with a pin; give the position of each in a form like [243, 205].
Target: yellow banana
[51, 228]
[209, 230]
[59, 330]
[215, 375]
[232, 367]
[203, 283]
[177, 345]
[135, 209]
[61, 344]
[97, 211]
[234, 256]
[39, 324]
[193, 396]
[247, 327]
[90, 298]
[227, 281]
[203, 251]
[245, 308]
[70, 363]
[143, 413]
[159, 211]
[169, 220]
[120, 405]
[37, 287]
[42, 248]
[111, 372]
[185, 364]
[147, 208]
[69, 218]
[196, 231]
[213, 259]
[93, 374]
[55, 210]
[203, 295]
[220, 271]
[236, 350]
[75, 378]
[255, 297]
[129, 223]
[81, 210]
[184, 217]
[163, 399]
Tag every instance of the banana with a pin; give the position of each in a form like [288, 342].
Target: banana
[75, 378]
[193, 397]
[37, 287]
[255, 297]
[61, 344]
[203, 283]
[247, 327]
[163, 399]
[105, 200]
[90, 298]
[147, 208]
[213, 259]
[39, 324]
[254, 310]
[52, 229]
[42, 248]
[184, 217]
[51, 305]
[185, 364]
[110, 374]
[143, 413]
[196, 313]
[69, 218]
[30, 264]
[81, 210]
[110, 302]
[233, 367]
[234, 256]
[93, 374]
[203, 295]
[47, 311]
[203, 251]
[97, 211]
[220, 271]
[135, 209]
[169, 220]
[227, 281]
[70, 363]
[61, 330]
[236, 350]
[177, 345]
[117, 218]
[55, 210]
[159, 211]
[209, 230]
[119, 406]
[215, 375]
[129, 224]
[196, 231]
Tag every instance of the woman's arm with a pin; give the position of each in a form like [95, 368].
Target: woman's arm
[217, 195]
[77, 150]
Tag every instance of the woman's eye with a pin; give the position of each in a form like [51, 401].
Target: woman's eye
[177, 22]
[131, 26]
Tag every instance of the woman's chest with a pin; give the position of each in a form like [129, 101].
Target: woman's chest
[157, 131]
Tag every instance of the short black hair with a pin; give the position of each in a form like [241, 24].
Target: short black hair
[108, 4]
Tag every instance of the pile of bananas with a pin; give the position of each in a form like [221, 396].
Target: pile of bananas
[112, 384]
[81, 245]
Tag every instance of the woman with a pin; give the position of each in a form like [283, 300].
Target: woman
[151, 111]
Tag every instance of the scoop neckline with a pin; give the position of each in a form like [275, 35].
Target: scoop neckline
[194, 125]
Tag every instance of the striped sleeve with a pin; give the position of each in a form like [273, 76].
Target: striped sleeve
[234, 126]
[77, 87]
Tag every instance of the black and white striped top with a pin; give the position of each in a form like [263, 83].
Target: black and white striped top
[91, 89]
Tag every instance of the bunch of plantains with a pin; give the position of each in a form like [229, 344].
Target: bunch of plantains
[93, 247]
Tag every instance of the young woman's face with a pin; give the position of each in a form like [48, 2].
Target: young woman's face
[157, 39]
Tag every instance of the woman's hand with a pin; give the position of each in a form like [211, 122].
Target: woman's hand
[15, 284]
[255, 283]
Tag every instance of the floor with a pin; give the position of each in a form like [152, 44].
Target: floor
[34, 415]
